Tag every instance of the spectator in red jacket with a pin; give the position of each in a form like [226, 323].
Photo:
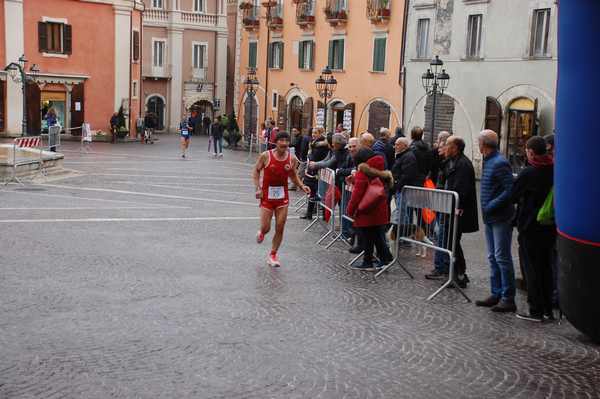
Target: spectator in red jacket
[371, 223]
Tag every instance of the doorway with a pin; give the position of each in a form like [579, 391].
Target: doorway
[522, 125]
[336, 116]
[250, 118]
[156, 106]
[296, 113]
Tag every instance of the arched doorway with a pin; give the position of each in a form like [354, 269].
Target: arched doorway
[202, 115]
[156, 105]
[336, 115]
[296, 108]
[522, 124]
[250, 118]
[379, 116]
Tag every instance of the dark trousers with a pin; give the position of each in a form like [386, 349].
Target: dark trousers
[538, 247]
[460, 265]
[374, 237]
[314, 197]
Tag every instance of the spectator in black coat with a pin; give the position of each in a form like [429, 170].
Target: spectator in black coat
[459, 177]
[422, 153]
[318, 150]
[437, 157]
[383, 146]
[532, 186]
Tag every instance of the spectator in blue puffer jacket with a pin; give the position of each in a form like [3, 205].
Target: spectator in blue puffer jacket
[498, 212]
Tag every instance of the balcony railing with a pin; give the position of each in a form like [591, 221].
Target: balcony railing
[378, 10]
[156, 15]
[336, 11]
[199, 18]
[305, 13]
[199, 74]
[157, 72]
[250, 15]
[276, 17]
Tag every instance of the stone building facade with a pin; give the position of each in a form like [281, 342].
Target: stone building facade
[501, 56]
[185, 59]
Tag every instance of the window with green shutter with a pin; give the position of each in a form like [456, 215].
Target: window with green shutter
[336, 54]
[306, 54]
[252, 49]
[275, 55]
[379, 54]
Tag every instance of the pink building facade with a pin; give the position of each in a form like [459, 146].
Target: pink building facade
[185, 59]
[88, 55]
[362, 43]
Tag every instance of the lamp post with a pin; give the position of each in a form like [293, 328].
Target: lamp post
[434, 82]
[17, 72]
[326, 85]
[268, 4]
[251, 86]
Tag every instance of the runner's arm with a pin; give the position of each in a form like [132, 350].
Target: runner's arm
[294, 176]
[258, 167]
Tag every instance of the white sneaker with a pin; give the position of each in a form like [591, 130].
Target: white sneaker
[273, 261]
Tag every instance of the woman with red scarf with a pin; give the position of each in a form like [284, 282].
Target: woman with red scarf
[530, 191]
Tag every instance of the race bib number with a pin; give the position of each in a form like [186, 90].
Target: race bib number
[276, 193]
[184, 133]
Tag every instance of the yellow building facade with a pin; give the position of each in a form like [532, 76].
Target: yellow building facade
[360, 41]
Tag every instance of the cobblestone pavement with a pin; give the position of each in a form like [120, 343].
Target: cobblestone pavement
[140, 278]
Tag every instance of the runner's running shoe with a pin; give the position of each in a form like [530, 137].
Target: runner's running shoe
[273, 260]
[260, 237]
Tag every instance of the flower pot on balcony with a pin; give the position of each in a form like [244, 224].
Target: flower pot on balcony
[384, 12]
[246, 5]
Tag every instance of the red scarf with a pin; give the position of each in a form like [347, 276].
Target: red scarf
[538, 161]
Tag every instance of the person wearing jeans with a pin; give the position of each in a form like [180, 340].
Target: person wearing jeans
[498, 212]
[216, 131]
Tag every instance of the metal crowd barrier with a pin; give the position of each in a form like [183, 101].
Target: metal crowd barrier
[25, 142]
[422, 210]
[326, 201]
[346, 193]
[303, 200]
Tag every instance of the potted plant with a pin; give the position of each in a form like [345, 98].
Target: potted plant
[246, 5]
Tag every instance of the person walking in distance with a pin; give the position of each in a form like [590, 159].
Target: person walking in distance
[216, 132]
[276, 166]
[184, 132]
[498, 212]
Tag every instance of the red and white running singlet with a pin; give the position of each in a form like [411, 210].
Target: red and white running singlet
[275, 182]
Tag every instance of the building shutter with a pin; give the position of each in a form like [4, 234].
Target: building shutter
[493, 115]
[281, 55]
[34, 97]
[307, 114]
[252, 55]
[379, 116]
[136, 45]
[379, 55]
[348, 120]
[330, 59]
[67, 41]
[282, 114]
[535, 119]
[2, 101]
[42, 36]
[340, 58]
[270, 55]
[301, 49]
[312, 55]
[77, 117]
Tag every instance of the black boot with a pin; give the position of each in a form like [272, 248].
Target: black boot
[310, 208]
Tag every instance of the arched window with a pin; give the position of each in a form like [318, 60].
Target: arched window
[379, 116]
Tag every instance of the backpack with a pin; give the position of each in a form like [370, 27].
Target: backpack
[545, 215]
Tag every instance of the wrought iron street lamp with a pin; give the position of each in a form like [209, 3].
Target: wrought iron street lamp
[326, 84]
[16, 71]
[251, 82]
[435, 81]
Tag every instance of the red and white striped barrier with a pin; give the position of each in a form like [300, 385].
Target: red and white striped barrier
[28, 142]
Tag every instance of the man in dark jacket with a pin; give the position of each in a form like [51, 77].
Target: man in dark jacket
[383, 146]
[497, 211]
[406, 173]
[530, 191]
[422, 153]
[460, 177]
[319, 148]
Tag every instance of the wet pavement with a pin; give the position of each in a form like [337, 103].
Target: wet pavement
[139, 277]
